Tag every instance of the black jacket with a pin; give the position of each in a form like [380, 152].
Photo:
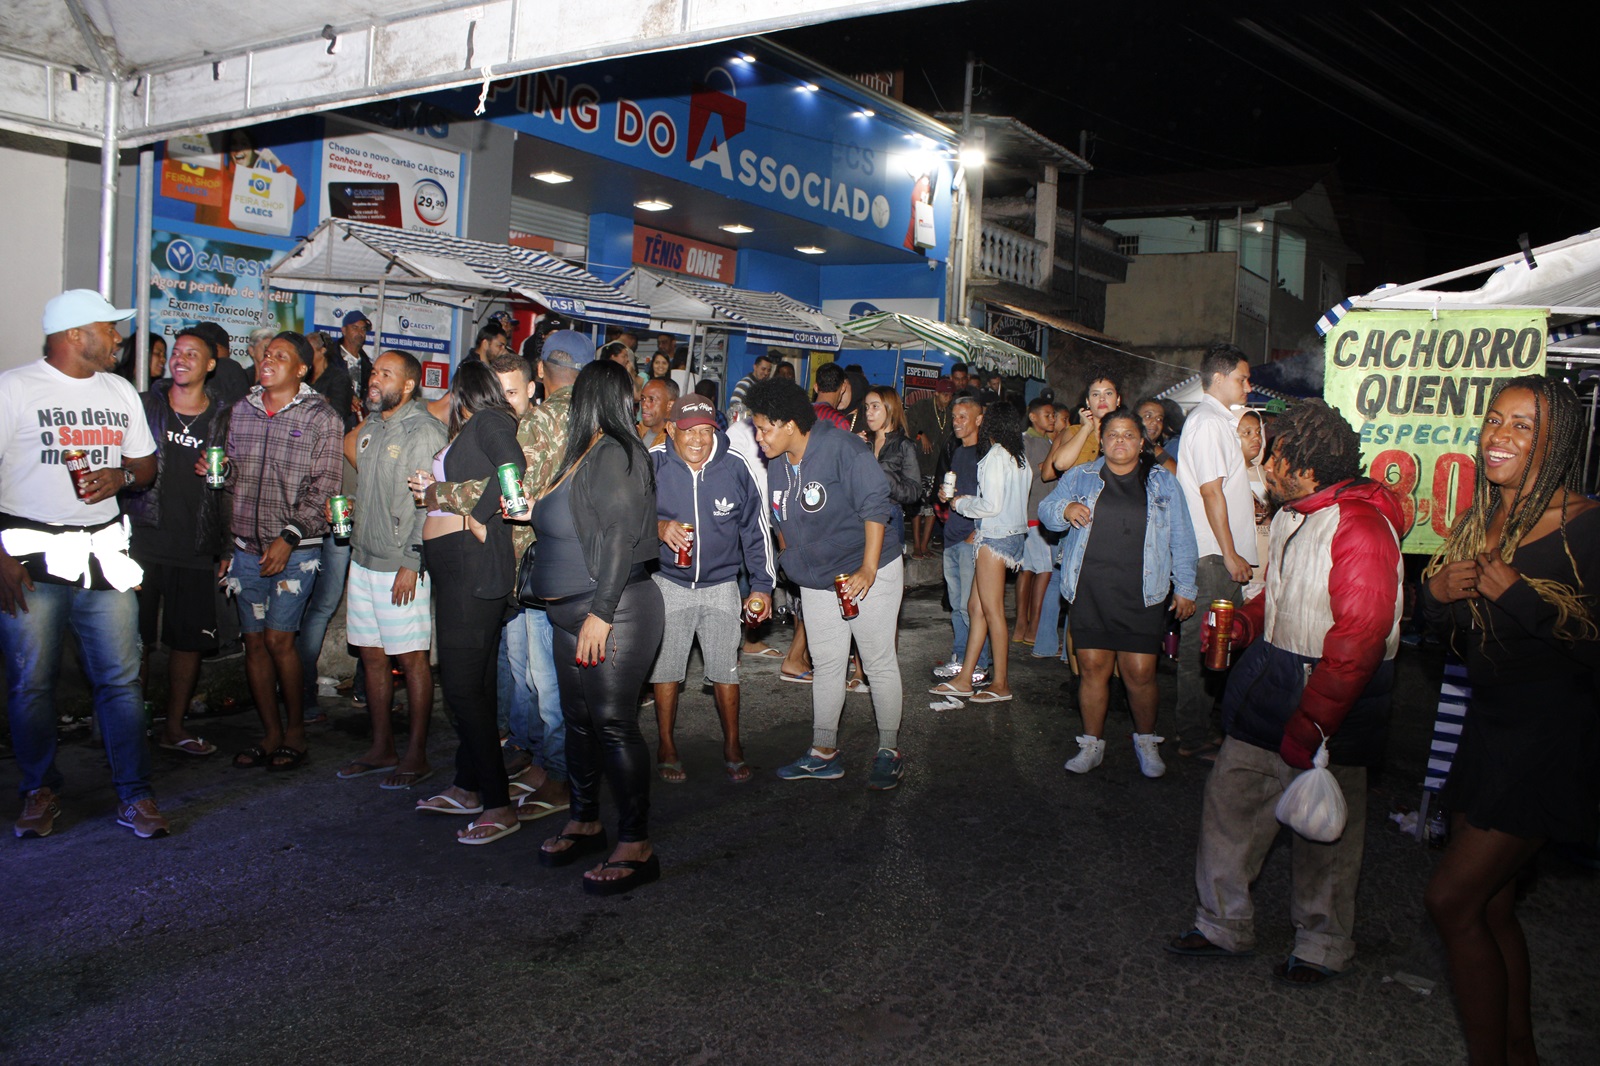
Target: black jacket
[335, 386]
[614, 508]
[898, 457]
[143, 508]
[487, 442]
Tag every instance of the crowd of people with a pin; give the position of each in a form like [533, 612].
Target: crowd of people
[558, 532]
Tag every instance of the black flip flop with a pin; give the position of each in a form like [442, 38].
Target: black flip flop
[643, 872]
[251, 759]
[582, 844]
[290, 757]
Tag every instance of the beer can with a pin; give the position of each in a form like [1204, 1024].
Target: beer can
[752, 610]
[685, 556]
[517, 505]
[340, 508]
[848, 608]
[1219, 623]
[949, 483]
[77, 461]
[216, 467]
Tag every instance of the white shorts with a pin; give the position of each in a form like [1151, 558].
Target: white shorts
[373, 621]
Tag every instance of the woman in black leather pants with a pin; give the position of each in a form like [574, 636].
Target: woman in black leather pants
[597, 534]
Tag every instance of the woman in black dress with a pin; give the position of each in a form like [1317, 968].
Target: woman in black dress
[596, 528]
[1513, 592]
[1130, 543]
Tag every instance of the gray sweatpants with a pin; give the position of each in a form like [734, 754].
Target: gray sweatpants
[829, 635]
[1238, 826]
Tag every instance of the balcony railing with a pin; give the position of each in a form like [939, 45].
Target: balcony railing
[1007, 255]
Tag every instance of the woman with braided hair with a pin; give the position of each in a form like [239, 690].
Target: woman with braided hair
[1513, 592]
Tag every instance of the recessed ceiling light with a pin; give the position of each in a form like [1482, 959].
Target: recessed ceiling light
[748, 58]
[809, 249]
[653, 205]
[552, 177]
[809, 87]
[865, 112]
[736, 227]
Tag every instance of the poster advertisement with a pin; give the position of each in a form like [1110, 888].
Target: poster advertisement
[391, 181]
[1416, 386]
[410, 325]
[917, 380]
[197, 279]
[229, 181]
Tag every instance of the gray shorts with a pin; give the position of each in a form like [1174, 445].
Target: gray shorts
[712, 614]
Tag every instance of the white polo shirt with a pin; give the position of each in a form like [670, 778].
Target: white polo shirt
[1211, 450]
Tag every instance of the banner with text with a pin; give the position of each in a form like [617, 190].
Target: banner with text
[197, 279]
[391, 181]
[1416, 386]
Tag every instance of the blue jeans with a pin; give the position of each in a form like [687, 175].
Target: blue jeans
[325, 596]
[107, 627]
[1048, 641]
[527, 642]
[960, 565]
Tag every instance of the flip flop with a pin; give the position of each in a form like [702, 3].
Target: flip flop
[946, 705]
[991, 697]
[289, 756]
[394, 784]
[1294, 964]
[250, 758]
[362, 769]
[531, 810]
[858, 685]
[795, 679]
[945, 688]
[738, 772]
[665, 768]
[642, 872]
[443, 804]
[191, 746]
[499, 831]
[582, 844]
[767, 653]
[1205, 949]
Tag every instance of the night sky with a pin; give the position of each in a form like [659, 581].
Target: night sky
[1454, 128]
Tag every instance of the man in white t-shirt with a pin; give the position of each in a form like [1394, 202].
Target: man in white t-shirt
[72, 436]
[1216, 484]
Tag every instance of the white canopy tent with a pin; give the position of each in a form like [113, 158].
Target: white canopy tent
[893, 329]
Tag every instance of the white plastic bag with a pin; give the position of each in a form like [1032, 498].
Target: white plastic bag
[1313, 804]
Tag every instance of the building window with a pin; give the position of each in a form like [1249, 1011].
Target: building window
[1292, 263]
[1128, 245]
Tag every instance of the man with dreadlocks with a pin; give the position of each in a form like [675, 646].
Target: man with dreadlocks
[1319, 663]
[1513, 592]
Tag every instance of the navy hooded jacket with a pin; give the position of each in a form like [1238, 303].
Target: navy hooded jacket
[723, 503]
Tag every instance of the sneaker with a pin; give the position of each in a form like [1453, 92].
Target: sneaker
[1091, 750]
[1144, 746]
[887, 766]
[945, 671]
[39, 810]
[980, 677]
[812, 766]
[143, 818]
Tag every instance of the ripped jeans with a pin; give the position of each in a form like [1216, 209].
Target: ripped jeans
[275, 602]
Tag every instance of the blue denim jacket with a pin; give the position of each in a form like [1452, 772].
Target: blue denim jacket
[1169, 548]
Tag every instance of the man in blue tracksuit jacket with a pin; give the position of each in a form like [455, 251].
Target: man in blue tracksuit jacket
[701, 482]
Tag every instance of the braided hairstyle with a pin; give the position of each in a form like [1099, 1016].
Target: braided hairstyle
[1558, 421]
[1313, 436]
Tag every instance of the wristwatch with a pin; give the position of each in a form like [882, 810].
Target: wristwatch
[127, 477]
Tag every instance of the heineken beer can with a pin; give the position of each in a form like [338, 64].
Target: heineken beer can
[339, 506]
[216, 467]
[517, 505]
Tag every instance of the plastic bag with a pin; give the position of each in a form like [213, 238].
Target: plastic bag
[1313, 804]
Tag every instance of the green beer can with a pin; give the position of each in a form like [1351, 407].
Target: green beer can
[340, 508]
[517, 505]
[216, 467]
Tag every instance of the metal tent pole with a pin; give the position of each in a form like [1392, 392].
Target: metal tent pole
[141, 263]
[108, 188]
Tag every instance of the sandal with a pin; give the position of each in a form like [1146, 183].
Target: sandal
[671, 772]
[351, 771]
[857, 684]
[190, 746]
[404, 779]
[285, 758]
[986, 696]
[580, 844]
[1314, 973]
[1195, 945]
[250, 758]
[499, 831]
[530, 809]
[768, 652]
[945, 688]
[445, 804]
[643, 871]
[738, 772]
[796, 679]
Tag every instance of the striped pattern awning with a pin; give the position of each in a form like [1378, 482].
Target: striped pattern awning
[344, 256]
[765, 317]
[893, 329]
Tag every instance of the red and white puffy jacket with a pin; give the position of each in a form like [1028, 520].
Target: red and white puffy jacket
[1328, 625]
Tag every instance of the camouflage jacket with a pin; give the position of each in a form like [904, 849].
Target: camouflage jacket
[542, 432]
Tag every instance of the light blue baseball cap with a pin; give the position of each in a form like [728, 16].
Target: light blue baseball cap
[80, 307]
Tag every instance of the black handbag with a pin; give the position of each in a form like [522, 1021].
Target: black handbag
[524, 590]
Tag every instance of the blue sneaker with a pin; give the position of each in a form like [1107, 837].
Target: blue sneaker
[814, 767]
[887, 766]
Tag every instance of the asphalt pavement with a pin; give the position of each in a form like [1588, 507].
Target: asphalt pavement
[993, 909]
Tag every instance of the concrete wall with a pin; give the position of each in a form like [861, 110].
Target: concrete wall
[35, 172]
[1174, 301]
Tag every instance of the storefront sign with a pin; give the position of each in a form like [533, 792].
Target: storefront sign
[196, 279]
[391, 181]
[918, 379]
[789, 140]
[683, 255]
[1416, 387]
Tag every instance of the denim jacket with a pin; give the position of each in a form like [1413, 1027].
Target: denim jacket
[1169, 548]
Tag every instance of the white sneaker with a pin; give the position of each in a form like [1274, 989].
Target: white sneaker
[1091, 750]
[945, 671]
[1144, 746]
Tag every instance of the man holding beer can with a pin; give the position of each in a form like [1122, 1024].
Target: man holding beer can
[831, 501]
[1317, 661]
[710, 518]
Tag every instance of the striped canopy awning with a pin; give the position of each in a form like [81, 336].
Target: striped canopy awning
[893, 329]
[765, 317]
[343, 257]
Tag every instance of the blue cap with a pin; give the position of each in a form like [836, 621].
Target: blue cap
[568, 347]
[352, 317]
[80, 307]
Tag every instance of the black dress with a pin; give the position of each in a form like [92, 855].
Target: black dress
[1108, 612]
[1528, 762]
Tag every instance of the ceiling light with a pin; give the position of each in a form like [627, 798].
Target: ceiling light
[552, 177]
[809, 87]
[809, 249]
[736, 227]
[747, 57]
[653, 205]
[865, 112]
